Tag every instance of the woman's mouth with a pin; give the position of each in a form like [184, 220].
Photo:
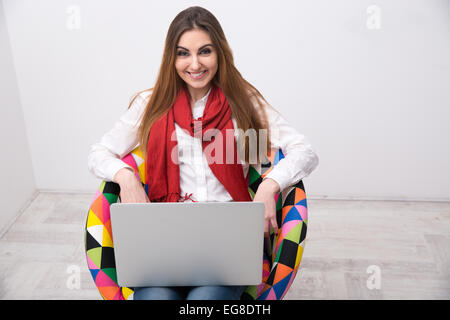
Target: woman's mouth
[198, 75]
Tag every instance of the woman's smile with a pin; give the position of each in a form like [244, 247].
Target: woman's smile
[198, 75]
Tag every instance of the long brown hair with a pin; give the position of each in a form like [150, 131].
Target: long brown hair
[235, 88]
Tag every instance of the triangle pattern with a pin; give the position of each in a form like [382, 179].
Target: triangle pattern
[107, 240]
[271, 295]
[111, 198]
[299, 256]
[95, 255]
[294, 233]
[111, 272]
[91, 242]
[102, 186]
[281, 286]
[93, 220]
[142, 173]
[252, 193]
[264, 294]
[102, 280]
[303, 233]
[271, 277]
[105, 207]
[119, 295]
[293, 214]
[302, 203]
[96, 232]
[107, 226]
[299, 195]
[282, 272]
[108, 293]
[302, 211]
[126, 292]
[139, 160]
[278, 249]
[285, 211]
[91, 264]
[287, 227]
[129, 160]
[97, 207]
[94, 273]
[98, 193]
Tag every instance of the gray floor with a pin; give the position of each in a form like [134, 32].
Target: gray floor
[354, 250]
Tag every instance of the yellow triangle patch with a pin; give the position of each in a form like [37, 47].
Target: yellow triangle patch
[299, 256]
[126, 292]
[107, 241]
[93, 220]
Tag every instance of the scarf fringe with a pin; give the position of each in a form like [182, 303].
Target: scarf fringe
[171, 197]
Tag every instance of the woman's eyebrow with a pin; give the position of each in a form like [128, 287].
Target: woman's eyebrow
[205, 45]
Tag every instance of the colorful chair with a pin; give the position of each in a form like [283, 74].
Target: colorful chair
[281, 257]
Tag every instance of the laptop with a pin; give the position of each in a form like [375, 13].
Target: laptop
[188, 244]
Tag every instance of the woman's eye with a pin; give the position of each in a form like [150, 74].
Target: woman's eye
[184, 53]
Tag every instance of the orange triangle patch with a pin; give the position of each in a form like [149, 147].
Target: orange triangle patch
[282, 272]
[299, 195]
[108, 293]
[97, 207]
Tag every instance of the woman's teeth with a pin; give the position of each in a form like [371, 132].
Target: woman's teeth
[197, 75]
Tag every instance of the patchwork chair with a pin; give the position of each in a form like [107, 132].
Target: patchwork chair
[282, 253]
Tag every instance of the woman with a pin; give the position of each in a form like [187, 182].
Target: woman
[198, 97]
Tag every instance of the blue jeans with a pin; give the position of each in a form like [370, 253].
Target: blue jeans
[189, 293]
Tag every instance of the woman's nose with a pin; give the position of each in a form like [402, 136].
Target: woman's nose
[195, 64]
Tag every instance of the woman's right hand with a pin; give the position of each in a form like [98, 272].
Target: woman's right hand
[131, 189]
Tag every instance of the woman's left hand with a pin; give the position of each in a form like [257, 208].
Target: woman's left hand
[266, 192]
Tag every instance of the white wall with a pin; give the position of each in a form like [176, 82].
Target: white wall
[373, 102]
[17, 181]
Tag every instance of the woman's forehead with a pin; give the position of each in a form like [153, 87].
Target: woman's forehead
[194, 39]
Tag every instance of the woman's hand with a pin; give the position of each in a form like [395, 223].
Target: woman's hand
[131, 190]
[266, 192]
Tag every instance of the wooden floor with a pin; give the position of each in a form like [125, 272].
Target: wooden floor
[407, 243]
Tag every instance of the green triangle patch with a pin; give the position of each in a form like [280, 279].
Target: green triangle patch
[294, 233]
[253, 175]
[112, 198]
[102, 186]
[96, 256]
[111, 272]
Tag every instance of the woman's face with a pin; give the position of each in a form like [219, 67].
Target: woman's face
[196, 61]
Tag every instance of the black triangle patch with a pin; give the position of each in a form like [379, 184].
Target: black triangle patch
[91, 242]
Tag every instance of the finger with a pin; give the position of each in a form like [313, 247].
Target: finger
[266, 228]
[274, 224]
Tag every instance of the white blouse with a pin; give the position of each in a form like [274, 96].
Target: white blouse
[196, 177]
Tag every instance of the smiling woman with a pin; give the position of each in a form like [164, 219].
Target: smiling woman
[197, 57]
[199, 83]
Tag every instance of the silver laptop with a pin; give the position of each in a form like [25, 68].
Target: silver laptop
[188, 244]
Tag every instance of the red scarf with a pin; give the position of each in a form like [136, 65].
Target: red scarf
[163, 174]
